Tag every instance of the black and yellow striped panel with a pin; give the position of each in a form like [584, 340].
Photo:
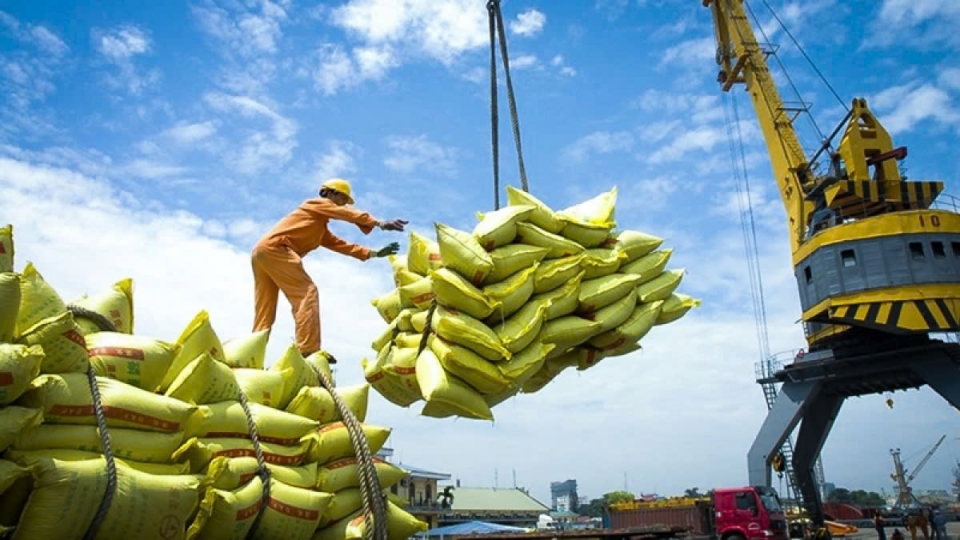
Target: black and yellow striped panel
[865, 194]
[901, 316]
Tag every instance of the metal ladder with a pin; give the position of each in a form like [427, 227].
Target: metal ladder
[764, 375]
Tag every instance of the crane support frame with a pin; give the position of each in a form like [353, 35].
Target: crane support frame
[814, 387]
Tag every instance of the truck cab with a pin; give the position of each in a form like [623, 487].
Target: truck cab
[749, 513]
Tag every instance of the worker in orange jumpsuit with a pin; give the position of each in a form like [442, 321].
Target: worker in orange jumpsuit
[277, 258]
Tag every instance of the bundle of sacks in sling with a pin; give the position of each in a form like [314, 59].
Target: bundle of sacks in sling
[186, 464]
[525, 295]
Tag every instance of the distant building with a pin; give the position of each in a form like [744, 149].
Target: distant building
[420, 489]
[504, 506]
[563, 496]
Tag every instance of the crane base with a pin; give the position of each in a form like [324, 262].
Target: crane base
[814, 387]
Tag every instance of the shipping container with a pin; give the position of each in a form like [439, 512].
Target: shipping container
[697, 519]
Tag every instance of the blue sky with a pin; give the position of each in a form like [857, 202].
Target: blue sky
[159, 141]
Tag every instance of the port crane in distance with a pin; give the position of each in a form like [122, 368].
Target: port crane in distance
[876, 259]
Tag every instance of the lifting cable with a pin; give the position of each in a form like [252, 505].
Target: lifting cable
[496, 26]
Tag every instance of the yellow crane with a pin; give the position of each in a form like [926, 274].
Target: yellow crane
[876, 261]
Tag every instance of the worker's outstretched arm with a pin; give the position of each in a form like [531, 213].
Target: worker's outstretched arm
[335, 243]
[363, 220]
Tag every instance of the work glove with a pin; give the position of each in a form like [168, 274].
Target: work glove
[393, 225]
[391, 249]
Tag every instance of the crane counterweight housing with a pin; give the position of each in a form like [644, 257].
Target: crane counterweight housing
[871, 250]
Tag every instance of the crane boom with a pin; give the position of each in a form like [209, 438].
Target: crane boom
[742, 60]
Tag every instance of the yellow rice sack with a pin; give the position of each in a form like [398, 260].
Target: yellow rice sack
[226, 419]
[675, 306]
[38, 300]
[388, 305]
[387, 384]
[569, 331]
[525, 363]
[452, 290]
[552, 367]
[13, 420]
[295, 373]
[161, 469]
[648, 266]
[344, 473]
[320, 361]
[291, 513]
[333, 442]
[205, 380]
[392, 329]
[559, 247]
[660, 287]
[317, 404]
[615, 314]
[197, 338]
[469, 332]
[19, 365]
[423, 255]
[511, 293]
[10, 474]
[65, 399]
[400, 525]
[401, 272]
[407, 340]
[231, 473]
[67, 493]
[419, 321]
[404, 318]
[6, 248]
[495, 399]
[634, 244]
[499, 227]
[262, 386]
[542, 216]
[249, 351]
[631, 330]
[202, 451]
[403, 366]
[418, 294]
[437, 409]
[475, 370]
[344, 503]
[600, 262]
[557, 272]
[136, 360]
[521, 328]
[588, 236]
[9, 305]
[63, 345]
[438, 386]
[116, 304]
[509, 260]
[461, 252]
[601, 292]
[563, 300]
[145, 446]
[599, 210]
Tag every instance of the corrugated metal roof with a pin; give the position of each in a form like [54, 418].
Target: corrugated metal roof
[475, 499]
[417, 472]
[473, 527]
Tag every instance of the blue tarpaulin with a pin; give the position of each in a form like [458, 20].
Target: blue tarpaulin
[472, 527]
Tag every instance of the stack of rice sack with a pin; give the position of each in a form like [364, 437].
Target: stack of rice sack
[185, 457]
[528, 293]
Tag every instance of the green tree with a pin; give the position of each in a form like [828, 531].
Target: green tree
[857, 497]
[596, 507]
[693, 492]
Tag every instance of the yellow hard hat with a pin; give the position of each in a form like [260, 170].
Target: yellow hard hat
[340, 186]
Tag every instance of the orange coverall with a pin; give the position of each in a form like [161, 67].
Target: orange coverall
[277, 264]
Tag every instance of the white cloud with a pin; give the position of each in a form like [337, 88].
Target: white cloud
[417, 153]
[696, 52]
[528, 23]
[920, 23]
[147, 168]
[949, 78]
[261, 149]
[35, 34]
[439, 30]
[243, 30]
[334, 69]
[524, 61]
[559, 62]
[190, 133]
[909, 104]
[700, 108]
[600, 142]
[340, 159]
[611, 8]
[119, 46]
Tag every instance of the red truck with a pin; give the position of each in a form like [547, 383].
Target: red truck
[746, 513]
